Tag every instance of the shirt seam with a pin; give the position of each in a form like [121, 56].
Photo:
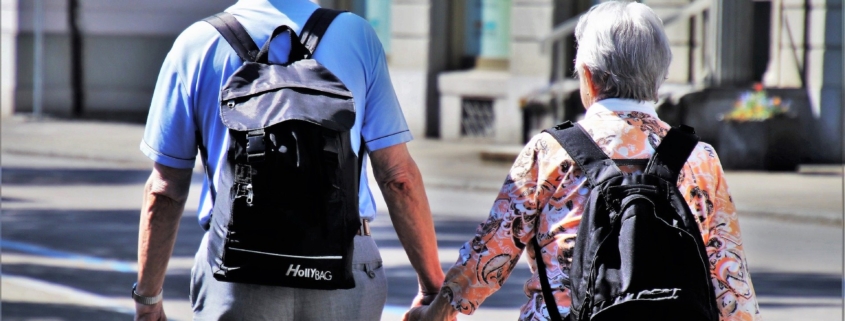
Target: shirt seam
[386, 136]
[150, 148]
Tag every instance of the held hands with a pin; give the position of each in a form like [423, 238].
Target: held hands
[420, 302]
[153, 312]
[430, 307]
[423, 298]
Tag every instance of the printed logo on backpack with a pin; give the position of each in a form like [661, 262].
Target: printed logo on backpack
[639, 253]
[286, 211]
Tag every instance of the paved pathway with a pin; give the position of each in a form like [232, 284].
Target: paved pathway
[71, 193]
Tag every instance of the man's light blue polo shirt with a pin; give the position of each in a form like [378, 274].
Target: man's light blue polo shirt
[186, 97]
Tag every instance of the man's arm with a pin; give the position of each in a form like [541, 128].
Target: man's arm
[402, 186]
[164, 201]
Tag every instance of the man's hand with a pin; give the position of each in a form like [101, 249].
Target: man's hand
[415, 313]
[422, 299]
[401, 184]
[154, 312]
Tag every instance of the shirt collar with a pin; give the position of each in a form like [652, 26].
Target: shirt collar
[621, 105]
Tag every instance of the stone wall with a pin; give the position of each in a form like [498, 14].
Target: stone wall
[8, 54]
[124, 43]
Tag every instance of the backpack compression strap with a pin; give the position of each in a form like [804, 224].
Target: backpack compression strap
[235, 35]
[672, 153]
[316, 27]
[581, 147]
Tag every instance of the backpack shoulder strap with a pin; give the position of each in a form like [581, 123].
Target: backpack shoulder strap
[316, 27]
[235, 35]
[672, 153]
[581, 147]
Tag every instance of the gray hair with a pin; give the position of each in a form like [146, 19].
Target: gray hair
[624, 46]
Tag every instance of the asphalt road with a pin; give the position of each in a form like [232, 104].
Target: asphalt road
[69, 237]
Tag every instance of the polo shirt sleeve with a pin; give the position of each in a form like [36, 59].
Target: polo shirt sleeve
[384, 123]
[170, 133]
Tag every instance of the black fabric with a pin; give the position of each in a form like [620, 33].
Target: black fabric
[631, 162]
[235, 35]
[316, 27]
[670, 156]
[639, 253]
[581, 147]
[287, 210]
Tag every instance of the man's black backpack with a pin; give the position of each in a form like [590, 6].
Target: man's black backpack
[638, 253]
[286, 211]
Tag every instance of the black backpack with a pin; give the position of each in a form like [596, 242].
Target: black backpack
[286, 211]
[638, 254]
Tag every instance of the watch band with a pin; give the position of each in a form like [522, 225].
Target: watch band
[146, 300]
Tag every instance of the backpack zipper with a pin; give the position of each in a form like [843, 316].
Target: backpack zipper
[249, 194]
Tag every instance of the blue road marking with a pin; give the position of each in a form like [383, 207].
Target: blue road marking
[118, 266]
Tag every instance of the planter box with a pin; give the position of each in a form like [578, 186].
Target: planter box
[771, 145]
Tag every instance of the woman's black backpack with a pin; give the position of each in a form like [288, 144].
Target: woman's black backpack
[286, 211]
[638, 253]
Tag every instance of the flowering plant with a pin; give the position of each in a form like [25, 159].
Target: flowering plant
[757, 106]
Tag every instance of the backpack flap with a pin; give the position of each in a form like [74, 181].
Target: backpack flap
[255, 87]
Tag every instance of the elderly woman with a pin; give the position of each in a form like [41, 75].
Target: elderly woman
[623, 57]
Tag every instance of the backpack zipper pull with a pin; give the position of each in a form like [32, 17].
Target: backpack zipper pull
[249, 194]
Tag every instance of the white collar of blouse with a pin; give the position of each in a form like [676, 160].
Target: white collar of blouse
[621, 105]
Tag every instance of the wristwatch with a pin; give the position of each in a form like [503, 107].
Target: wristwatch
[145, 300]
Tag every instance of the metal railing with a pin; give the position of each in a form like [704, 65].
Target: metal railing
[695, 14]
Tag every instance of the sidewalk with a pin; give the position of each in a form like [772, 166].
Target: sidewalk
[814, 198]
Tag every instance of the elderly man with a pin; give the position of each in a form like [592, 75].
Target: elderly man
[622, 59]
[184, 117]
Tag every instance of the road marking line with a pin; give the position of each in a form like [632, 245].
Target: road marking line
[39, 255]
[28, 290]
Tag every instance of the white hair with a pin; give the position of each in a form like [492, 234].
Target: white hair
[625, 48]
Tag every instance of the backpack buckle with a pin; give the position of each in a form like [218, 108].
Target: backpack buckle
[687, 129]
[255, 148]
[563, 125]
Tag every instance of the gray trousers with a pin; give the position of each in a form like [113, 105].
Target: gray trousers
[215, 300]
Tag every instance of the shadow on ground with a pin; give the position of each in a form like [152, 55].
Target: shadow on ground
[112, 234]
[18, 311]
[23, 176]
[106, 234]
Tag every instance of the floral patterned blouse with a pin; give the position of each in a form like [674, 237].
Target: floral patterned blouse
[544, 181]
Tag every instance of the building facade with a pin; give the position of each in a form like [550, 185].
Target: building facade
[463, 69]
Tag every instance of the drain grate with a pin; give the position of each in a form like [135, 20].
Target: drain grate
[477, 117]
